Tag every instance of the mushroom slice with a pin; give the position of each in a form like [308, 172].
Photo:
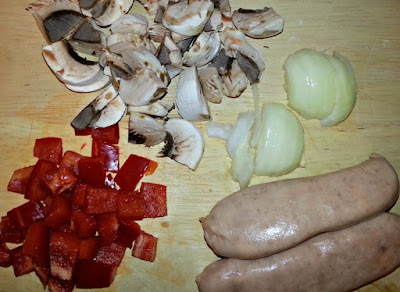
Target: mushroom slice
[162, 5]
[111, 114]
[92, 112]
[87, 4]
[130, 23]
[235, 42]
[184, 142]
[157, 32]
[258, 23]
[190, 101]
[177, 37]
[144, 129]
[224, 7]
[204, 49]
[105, 12]
[185, 44]
[56, 18]
[129, 39]
[211, 84]
[221, 62]
[68, 67]
[187, 18]
[102, 82]
[143, 87]
[151, 6]
[234, 81]
[214, 23]
[159, 108]
[170, 56]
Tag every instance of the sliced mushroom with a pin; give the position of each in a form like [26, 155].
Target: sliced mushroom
[111, 114]
[159, 108]
[92, 112]
[187, 18]
[190, 101]
[151, 6]
[204, 49]
[130, 39]
[185, 44]
[258, 23]
[221, 62]
[162, 5]
[170, 56]
[144, 129]
[234, 81]
[157, 32]
[211, 84]
[184, 142]
[235, 42]
[177, 37]
[130, 23]
[102, 82]
[68, 67]
[105, 12]
[56, 18]
[87, 4]
[214, 23]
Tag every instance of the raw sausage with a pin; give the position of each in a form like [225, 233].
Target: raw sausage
[265, 219]
[336, 261]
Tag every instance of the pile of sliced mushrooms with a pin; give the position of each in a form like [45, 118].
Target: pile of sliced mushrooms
[101, 45]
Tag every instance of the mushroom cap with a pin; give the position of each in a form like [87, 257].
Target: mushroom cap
[234, 81]
[130, 23]
[211, 84]
[204, 49]
[144, 129]
[105, 12]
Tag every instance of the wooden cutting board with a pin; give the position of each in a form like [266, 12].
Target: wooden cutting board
[33, 104]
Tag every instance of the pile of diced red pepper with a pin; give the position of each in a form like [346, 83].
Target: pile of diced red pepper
[78, 220]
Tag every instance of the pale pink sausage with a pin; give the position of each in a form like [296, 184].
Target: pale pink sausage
[265, 219]
[337, 261]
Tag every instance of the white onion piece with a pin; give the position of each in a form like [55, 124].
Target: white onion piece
[280, 146]
[219, 130]
[320, 86]
[242, 127]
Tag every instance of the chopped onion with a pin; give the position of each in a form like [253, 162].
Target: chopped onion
[320, 86]
[218, 130]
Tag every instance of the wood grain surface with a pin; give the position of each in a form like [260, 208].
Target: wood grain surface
[33, 104]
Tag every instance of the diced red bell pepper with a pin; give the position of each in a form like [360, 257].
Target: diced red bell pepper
[26, 214]
[91, 274]
[85, 132]
[88, 248]
[100, 200]
[155, 196]
[145, 247]
[5, 258]
[11, 231]
[60, 180]
[64, 248]
[84, 225]
[153, 165]
[57, 285]
[48, 149]
[79, 195]
[59, 212]
[70, 160]
[109, 134]
[109, 154]
[36, 244]
[110, 181]
[35, 190]
[107, 225]
[111, 254]
[43, 273]
[91, 171]
[19, 180]
[22, 263]
[132, 172]
[128, 231]
[130, 206]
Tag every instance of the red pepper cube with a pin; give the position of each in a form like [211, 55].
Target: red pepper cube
[145, 247]
[35, 190]
[109, 134]
[22, 263]
[91, 171]
[84, 225]
[79, 195]
[26, 214]
[85, 132]
[130, 206]
[36, 244]
[19, 180]
[48, 149]
[60, 180]
[109, 154]
[59, 212]
[153, 165]
[64, 248]
[128, 231]
[155, 196]
[11, 231]
[110, 181]
[57, 285]
[111, 254]
[70, 160]
[100, 200]
[91, 274]
[43, 273]
[5, 257]
[88, 248]
[107, 225]
[132, 172]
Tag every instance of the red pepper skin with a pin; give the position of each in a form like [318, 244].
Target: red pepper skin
[85, 132]
[91, 171]
[25, 214]
[79, 195]
[107, 225]
[100, 200]
[35, 190]
[70, 160]
[5, 257]
[130, 206]
[11, 231]
[108, 152]
[145, 247]
[155, 196]
[60, 180]
[49, 149]
[19, 180]
[128, 231]
[36, 243]
[22, 263]
[111, 254]
[57, 285]
[131, 172]
[91, 274]
[88, 248]
[84, 225]
[109, 134]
